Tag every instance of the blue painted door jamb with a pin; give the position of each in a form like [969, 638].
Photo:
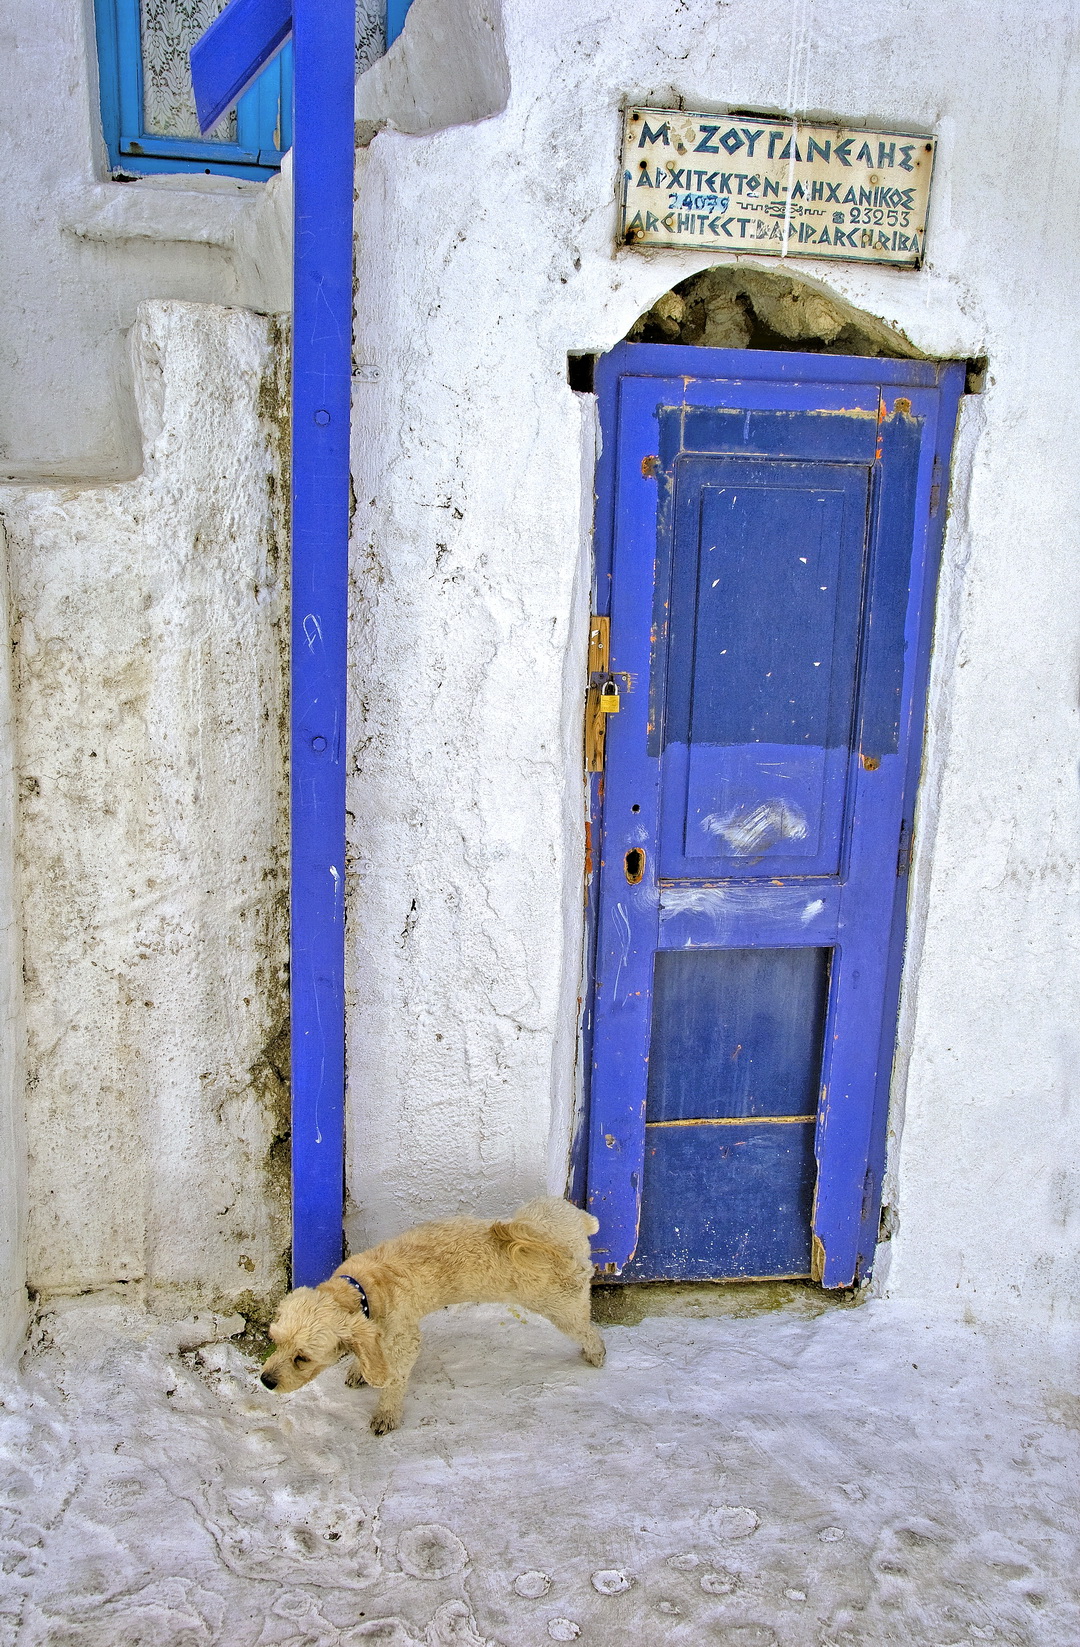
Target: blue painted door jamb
[324, 44]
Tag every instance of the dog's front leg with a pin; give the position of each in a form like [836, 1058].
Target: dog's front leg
[354, 1378]
[401, 1346]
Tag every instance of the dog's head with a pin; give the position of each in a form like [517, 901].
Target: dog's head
[313, 1329]
[308, 1331]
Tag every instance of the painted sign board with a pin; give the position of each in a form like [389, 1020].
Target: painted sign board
[776, 188]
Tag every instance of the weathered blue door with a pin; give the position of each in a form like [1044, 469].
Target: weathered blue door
[769, 529]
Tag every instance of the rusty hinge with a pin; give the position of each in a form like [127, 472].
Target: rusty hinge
[595, 719]
[903, 853]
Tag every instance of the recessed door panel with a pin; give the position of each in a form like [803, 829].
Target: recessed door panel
[729, 1202]
[766, 586]
[736, 1033]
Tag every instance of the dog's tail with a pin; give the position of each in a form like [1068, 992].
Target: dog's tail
[526, 1241]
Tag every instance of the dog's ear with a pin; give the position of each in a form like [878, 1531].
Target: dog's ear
[367, 1346]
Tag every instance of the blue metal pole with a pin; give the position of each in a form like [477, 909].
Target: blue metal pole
[324, 47]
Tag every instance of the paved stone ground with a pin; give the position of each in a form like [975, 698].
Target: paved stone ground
[857, 1478]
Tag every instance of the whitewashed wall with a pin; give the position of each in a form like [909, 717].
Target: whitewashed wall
[147, 628]
[13, 1199]
[79, 253]
[148, 624]
[147, 620]
[485, 254]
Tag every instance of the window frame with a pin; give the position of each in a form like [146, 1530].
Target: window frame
[263, 114]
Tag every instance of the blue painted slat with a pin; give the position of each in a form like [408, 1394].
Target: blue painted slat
[323, 41]
[234, 49]
[838, 432]
[737, 913]
[940, 411]
[720, 373]
[276, 109]
[856, 912]
[627, 924]
[861, 1034]
[106, 29]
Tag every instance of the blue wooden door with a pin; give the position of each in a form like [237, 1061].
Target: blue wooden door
[768, 534]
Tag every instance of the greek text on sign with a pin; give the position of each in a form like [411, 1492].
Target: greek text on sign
[708, 182]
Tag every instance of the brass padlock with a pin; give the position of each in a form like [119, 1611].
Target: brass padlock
[609, 697]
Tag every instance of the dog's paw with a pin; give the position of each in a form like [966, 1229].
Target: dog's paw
[382, 1423]
[354, 1378]
[595, 1354]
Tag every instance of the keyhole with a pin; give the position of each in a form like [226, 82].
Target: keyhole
[635, 865]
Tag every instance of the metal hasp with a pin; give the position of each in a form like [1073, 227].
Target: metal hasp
[236, 46]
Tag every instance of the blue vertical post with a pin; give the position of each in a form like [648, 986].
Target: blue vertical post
[324, 58]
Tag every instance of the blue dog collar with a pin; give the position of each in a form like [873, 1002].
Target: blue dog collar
[353, 1282]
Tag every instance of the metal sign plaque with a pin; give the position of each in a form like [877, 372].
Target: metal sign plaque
[777, 188]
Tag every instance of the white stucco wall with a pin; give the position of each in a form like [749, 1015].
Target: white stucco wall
[149, 630]
[485, 255]
[147, 620]
[144, 1172]
[78, 254]
[13, 1198]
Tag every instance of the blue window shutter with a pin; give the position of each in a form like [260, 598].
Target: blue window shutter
[396, 11]
[108, 50]
[263, 114]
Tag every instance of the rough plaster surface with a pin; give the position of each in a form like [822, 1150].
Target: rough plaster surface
[78, 254]
[485, 254]
[147, 622]
[149, 630]
[858, 1480]
[447, 68]
[12, 1025]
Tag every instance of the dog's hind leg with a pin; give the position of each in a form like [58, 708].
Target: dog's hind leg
[572, 1316]
[401, 1348]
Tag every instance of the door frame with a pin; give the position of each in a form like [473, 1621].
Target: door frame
[843, 1262]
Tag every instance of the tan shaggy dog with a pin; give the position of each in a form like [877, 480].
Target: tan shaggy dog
[372, 1305]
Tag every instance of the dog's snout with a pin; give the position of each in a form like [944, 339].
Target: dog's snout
[269, 1380]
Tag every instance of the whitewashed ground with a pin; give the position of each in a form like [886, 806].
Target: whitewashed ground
[855, 1478]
